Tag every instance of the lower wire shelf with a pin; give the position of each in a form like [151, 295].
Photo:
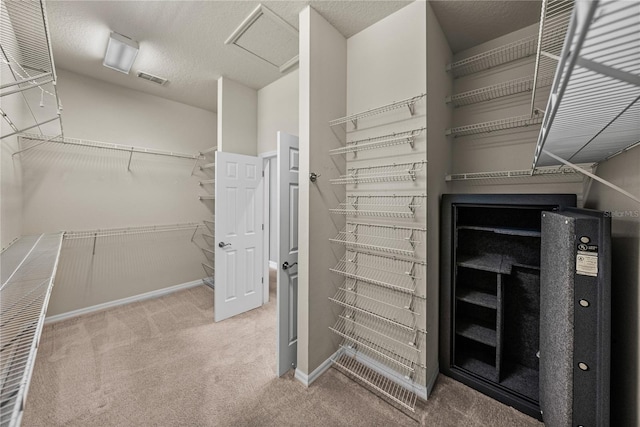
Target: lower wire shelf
[383, 385]
[209, 281]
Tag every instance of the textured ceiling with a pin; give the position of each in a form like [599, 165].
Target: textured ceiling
[183, 41]
[469, 23]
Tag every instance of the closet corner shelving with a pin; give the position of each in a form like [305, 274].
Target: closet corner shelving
[27, 61]
[590, 126]
[382, 297]
[208, 185]
[546, 46]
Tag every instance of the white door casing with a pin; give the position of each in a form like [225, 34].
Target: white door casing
[288, 165]
[238, 230]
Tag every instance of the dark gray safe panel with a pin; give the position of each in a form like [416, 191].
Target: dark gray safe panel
[575, 306]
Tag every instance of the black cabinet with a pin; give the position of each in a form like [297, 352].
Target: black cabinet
[490, 293]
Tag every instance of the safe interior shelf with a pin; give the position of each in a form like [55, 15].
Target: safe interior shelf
[524, 232]
[594, 107]
[353, 118]
[28, 272]
[496, 125]
[477, 332]
[27, 59]
[382, 173]
[361, 298]
[389, 140]
[392, 273]
[382, 384]
[379, 237]
[477, 297]
[492, 58]
[383, 206]
[500, 90]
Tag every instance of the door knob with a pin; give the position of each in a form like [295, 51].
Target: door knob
[286, 265]
[223, 244]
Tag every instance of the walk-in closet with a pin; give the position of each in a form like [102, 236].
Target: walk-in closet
[245, 213]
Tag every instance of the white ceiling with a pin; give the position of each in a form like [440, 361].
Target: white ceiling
[469, 23]
[184, 40]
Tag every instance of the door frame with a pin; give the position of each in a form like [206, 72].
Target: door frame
[266, 159]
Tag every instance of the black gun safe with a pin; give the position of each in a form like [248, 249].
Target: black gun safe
[514, 281]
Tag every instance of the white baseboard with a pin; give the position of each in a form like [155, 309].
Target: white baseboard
[128, 300]
[273, 264]
[307, 380]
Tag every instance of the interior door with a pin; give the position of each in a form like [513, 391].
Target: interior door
[238, 230]
[288, 165]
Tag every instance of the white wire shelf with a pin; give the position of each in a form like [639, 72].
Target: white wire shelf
[207, 182]
[372, 307]
[492, 58]
[500, 90]
[391, 273]
[27, 61]
[593, 111]
[384, 332]
[24, 297]
[207, 197]
[383, 206]
[392, 139]
[392, 355]
[383, 238]
[209, 269]
[208, 166]
[128, 231]
[496, 125]
[103, 145]
[553, 172]
[353, 118]
[209, 281]
[209, 150]
[382, 384]
[382, 173]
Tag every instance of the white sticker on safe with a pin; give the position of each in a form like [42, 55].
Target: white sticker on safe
[587, 263]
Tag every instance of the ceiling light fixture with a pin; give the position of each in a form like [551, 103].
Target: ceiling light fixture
[121, 53]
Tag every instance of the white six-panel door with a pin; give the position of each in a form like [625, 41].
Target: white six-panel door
[238, 231]
[287, 235]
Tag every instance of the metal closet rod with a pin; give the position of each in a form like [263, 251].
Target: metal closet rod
[109, 232]
[110, 146]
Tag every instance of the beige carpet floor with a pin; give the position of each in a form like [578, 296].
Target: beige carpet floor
[163, 362]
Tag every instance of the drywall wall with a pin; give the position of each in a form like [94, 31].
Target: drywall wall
[277, 110]
[237, 118]
[439, 118]
[76, 188]
[10, 179]
[376, 78]
[623, 171]
[323, 87]
[504, 150]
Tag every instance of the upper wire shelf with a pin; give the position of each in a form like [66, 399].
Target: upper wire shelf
[391, 273]
[27, 62]
[594, 108]
[111, 232]
[407, 137]
[496, 125]
[382, 173]
[384, 206]
[492, 58]
[209, 150]
[554, 172]
[500, 90]
[29, 268]
[353, 118]
[102, 145]
[384, 238]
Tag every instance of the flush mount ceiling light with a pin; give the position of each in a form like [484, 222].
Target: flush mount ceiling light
[121, 53]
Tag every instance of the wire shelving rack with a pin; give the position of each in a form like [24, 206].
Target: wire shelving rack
[382, 173]
[383, 206]
[379, 237]
[496, 125]
[353, 118]
[390, 140]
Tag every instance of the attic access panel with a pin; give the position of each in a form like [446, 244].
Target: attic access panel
[267, 36]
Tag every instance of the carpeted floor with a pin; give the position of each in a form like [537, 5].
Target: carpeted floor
[163, 362]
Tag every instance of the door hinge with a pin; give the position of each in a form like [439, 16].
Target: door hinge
[263, 226]
[263, 174]
[262, 280]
